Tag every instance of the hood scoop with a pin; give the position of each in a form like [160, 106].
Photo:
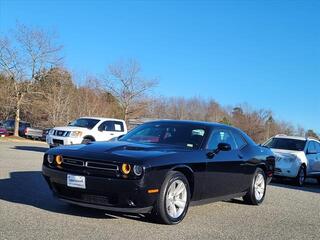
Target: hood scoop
[127, 147]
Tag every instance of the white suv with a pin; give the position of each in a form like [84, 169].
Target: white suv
[86, 129]
[296, 157]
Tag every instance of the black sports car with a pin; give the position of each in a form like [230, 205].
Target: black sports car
[160, 167]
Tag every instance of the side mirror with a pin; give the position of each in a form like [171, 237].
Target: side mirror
[224, 147]
[221, 147]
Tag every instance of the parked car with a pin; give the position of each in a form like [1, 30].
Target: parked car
[86, 129]
[159, 167]
[34, 133]
[9, 126]
[3, 132]
[296, 157]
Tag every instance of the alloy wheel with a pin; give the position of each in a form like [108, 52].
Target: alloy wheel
[259, 186]
[176, 199]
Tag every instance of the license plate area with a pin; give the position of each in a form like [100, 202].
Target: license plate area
[76, 181]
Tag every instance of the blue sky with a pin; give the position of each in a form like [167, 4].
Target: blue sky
[264, 53]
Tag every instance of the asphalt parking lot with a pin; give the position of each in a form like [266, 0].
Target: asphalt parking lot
[29, 211]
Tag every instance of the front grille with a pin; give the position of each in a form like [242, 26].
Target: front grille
[57, 141]
[73, 162]
[60, 133]
[88, 167]
[102, 166]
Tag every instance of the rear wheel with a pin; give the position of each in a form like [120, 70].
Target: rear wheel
[256, 193]
[173, 201]
[301, 177]
[318, 179]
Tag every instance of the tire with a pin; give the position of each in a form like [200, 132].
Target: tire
[87, 140]
[318, 179]
[301, 176]
[166, 209]
[257, 191]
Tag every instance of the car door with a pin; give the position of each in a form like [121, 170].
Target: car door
[312, 155]
[225, 171]
[316, 166]
[110, 129]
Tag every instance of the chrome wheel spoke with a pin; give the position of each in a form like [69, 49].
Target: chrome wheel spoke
[180, 203]
[179, 189]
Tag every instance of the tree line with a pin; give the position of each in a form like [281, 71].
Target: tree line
[36, 87]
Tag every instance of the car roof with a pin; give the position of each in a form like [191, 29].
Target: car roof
[209, 124]
[103, 119]
[296, 138]
[206, 124]
[12, 120]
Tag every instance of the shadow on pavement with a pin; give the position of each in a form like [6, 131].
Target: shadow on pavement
[32, 148]
[30, 188]
[309, 186]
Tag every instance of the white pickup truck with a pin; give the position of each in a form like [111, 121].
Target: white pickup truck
[86, 129]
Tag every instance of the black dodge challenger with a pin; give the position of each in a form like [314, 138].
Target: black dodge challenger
[160, 167]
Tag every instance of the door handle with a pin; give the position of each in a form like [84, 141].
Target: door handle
[111, 134]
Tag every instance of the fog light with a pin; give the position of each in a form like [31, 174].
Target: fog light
[126, 168]
[137, 170]
[58, 159]
[50, 158]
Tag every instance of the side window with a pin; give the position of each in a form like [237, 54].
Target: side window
[111, 126]
[317, 147]
[311, 147]
[221, 136]
[241, 143]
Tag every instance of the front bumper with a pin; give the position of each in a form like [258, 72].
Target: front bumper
[56, 140]
[118, 195]
[286, 169]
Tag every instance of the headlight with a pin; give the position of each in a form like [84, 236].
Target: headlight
[50, 158]
[58, 159]
[125, 168]
[76, 134]
[137, 170]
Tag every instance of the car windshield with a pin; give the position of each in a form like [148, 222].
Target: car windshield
[84, 122]
[286, 144]
[183, 135]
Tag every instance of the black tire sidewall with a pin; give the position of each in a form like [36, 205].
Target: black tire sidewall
[161, 204]
[302, 168]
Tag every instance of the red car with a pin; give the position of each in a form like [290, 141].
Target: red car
[3, 132]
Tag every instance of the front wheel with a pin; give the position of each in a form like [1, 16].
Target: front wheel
[301, 177]
[173, 201]
[87, 140]
[257, 191]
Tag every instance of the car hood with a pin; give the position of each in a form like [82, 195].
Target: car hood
[287, 154]
[117, 151]
[70, 128]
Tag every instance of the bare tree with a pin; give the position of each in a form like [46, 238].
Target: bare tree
[23, 57]
[125, 83]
